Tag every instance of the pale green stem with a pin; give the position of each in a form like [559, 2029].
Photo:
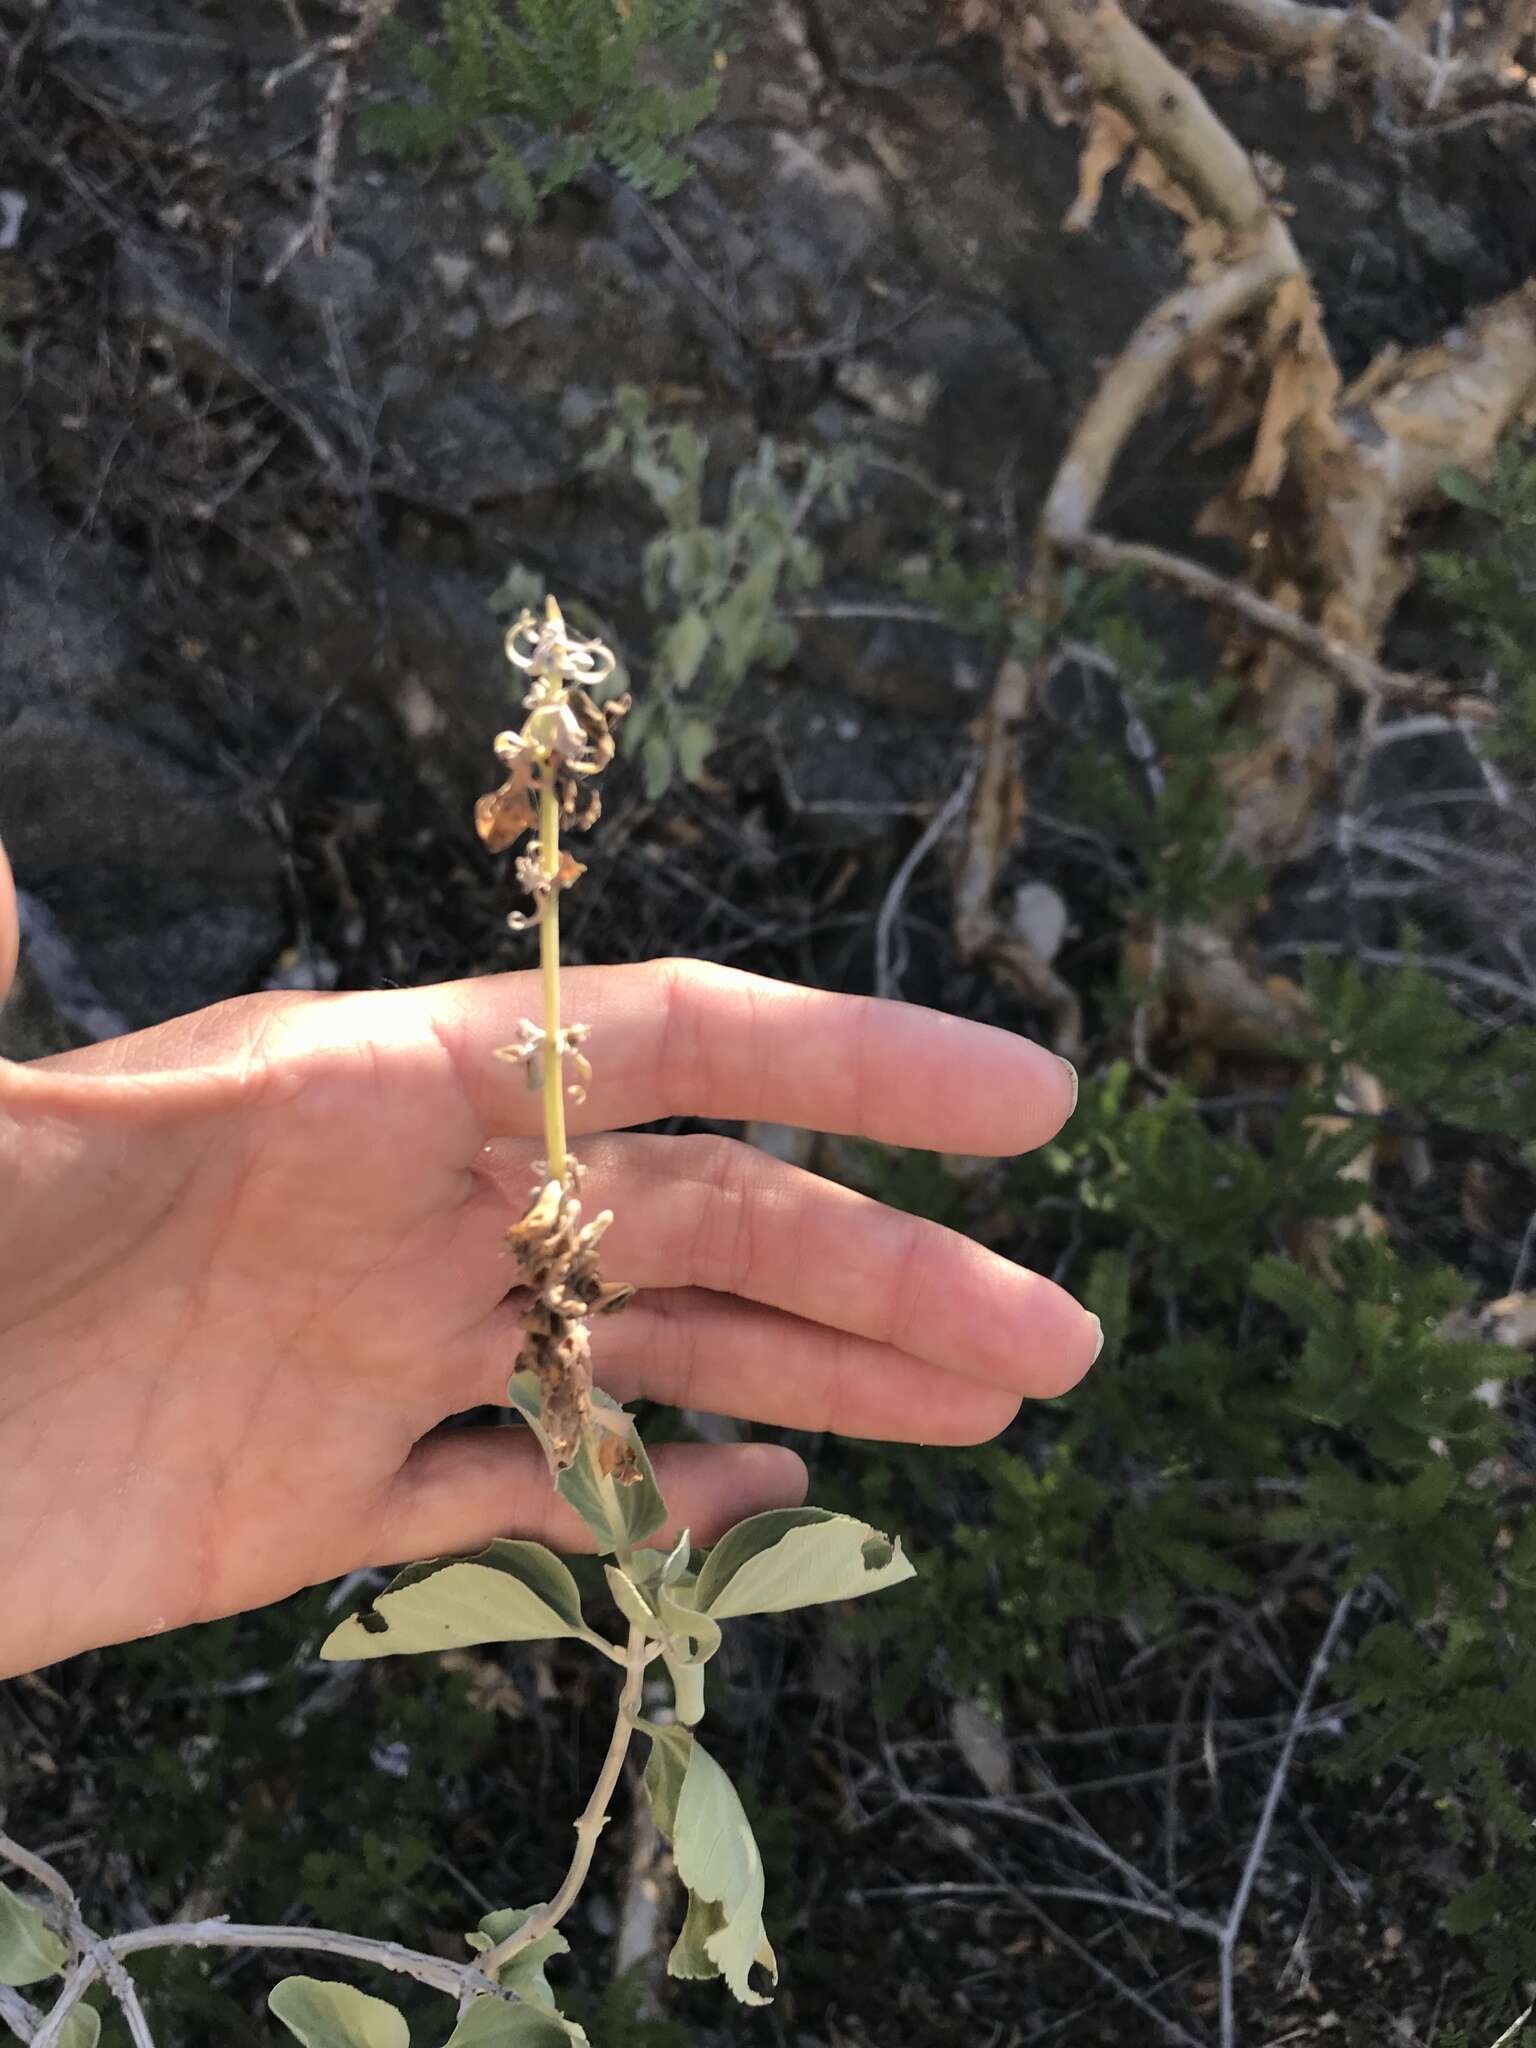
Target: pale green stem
[549, 961]
[593, 1820]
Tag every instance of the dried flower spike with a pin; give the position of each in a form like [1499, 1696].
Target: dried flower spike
[551, 763]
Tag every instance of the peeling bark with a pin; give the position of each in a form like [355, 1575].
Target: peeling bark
[1361, 475]
[1322, 42]
[1335, 475]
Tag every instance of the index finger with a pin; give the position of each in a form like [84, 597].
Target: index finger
[684, 1038]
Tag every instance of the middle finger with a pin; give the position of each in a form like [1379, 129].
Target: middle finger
[711, 1213]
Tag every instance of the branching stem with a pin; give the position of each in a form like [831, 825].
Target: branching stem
[593, 1820]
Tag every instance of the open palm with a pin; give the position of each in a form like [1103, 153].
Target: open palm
[250, 1260]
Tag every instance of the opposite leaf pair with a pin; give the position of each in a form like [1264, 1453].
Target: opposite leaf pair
[520, 1592]
[324, 2015]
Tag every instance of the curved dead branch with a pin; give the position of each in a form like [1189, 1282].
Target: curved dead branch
[1346, 665]
[1341, 470]
[1175, 124]
[1362, 473]
[1170, 115]
[1322, 42]
[1146, 366]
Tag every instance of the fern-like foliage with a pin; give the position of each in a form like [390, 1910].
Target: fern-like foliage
[1247, 1409]
[614, 82]
[1495, 585]
[1432, 1059]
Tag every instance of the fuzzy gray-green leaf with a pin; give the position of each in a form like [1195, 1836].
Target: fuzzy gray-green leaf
[491, 2023]
[631, 1602]
[29, 1948]
[525, 1973]
[82, 2029]
[335, 2016]
[683, 648]
[687, 1688]
[513, 1592]
[796, 1557]
[695, 743]
[616, 1515]
[697, 1808]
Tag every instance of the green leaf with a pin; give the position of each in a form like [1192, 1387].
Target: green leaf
[490, 2023]
[692, 1635]
[335, 2016]
[632, 1603]
[525, 1973]
[797, 1557]
[618, 1516]
[688, 1638]
[1466, 489]
[657, 760]
[695, 744]
[82, 2029]
[687, 1688]
[697, 1808]
[683, 648]
[665, 1770]
[513, 1592]
[1108, 1294]
[537, 2022]
[649, 1569]
[29, 1948]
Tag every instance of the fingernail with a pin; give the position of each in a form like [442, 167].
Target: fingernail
[1075, 1086]
[1100, 1345]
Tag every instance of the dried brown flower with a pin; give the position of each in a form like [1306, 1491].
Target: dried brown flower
[556, 1255]
[564, 743]
[530, 1046]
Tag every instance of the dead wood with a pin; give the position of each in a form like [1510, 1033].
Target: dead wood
[1333, 479]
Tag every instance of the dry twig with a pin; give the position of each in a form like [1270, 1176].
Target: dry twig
[344, 51]
[1322, 41]
[1346, 664]
[1232, 1926]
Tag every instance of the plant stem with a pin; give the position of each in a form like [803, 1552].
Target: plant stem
[549, 961]
[453, 1978]
[593, 1820]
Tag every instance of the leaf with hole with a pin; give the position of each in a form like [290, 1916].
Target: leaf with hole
[797, 1557]
[335, 2016]
[699, 1811]
[513, 1592]
[29, 1948]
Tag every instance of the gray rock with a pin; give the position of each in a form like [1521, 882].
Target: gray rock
[453, 271]
[148, 876]
[344, 285]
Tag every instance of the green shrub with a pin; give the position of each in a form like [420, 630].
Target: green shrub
[614, 82]
[1494, 588]
[715, 592]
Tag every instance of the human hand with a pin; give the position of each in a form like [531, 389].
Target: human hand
[250, 1259]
